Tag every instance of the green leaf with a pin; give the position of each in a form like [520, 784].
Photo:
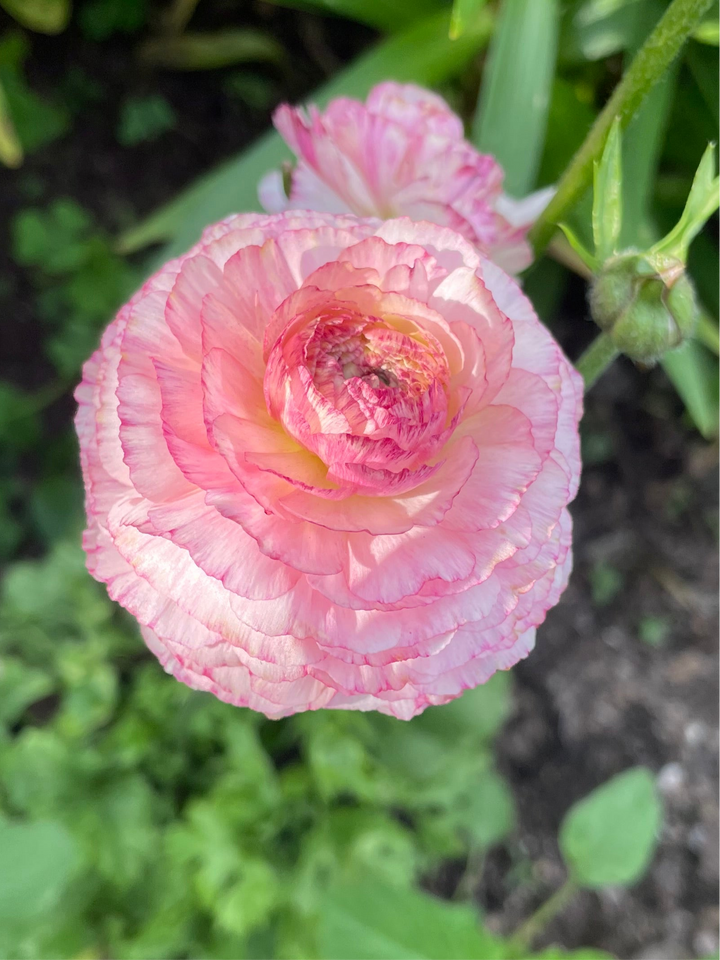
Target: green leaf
[423, 54]
[708, 32]
[463, 14]
[600, 28]
[569, 119]
[44, 16]
[35, 120]
[38, 860]
[369, 921]
[55, 239]
[607, 196]
[511, 117]
[20, 685]
[584, 953]
[19, 424]
[247, 904]
[694, 373]
[11, 152]
[210, 51]
[380, 14]
[477, 715]
[702, 62]
[100, 19]
[484, 814]
[609, 837]
[702, 202]
[580, 249]
[143, 119]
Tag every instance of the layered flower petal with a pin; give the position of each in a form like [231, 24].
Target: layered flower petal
[401, 153]
[327, 460]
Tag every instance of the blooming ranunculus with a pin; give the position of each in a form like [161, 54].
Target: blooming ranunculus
[327, 462]
[402, 153]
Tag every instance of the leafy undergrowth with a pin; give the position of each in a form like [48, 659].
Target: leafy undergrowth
[159, 822]
[142, 819]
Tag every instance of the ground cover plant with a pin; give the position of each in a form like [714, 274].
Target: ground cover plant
[566, 809]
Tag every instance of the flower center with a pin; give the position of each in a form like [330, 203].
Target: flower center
[366, 394]
[390, 363]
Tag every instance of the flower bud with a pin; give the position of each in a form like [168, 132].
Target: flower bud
[646, 304]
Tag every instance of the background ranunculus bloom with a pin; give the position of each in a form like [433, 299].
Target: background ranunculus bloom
[402, 153]
[327, 462]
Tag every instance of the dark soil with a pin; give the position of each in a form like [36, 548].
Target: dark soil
[594, 698]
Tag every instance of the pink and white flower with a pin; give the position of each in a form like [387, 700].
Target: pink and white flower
[402, 153]
[327, 463]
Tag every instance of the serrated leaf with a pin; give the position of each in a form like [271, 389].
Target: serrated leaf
[511, 117]
[607, 196]
[608, 838]
[369, 921]
[38, 859]
[423, 54]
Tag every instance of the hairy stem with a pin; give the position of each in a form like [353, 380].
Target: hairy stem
[596, 359]
[648, 66]
[525, 935]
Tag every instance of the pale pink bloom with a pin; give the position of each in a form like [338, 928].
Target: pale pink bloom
[402, 153]
[327, 462]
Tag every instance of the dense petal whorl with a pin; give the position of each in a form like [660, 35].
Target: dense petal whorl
[401, 153]
[327, 461]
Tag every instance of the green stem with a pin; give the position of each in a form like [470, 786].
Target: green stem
[596, 359]
[651, 62]
[525, 935]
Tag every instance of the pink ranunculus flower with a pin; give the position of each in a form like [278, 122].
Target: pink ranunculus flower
[402, 153]
[327, 462]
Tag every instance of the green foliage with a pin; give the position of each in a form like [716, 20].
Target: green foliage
[45, 16]
[11, 152]
[607, 197]
[209, 51]
[141, 819]
[38, 859]
[606, 582]
[100, 19]
[608, 838]
[511, 117]
[143, 119]
[375, 13]
[35, 121]
[80, 280]
[422, 54]
[463, 14]
[654, 630]
[367, 921]
[188, 832]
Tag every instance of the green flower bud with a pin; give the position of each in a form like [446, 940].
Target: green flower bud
[646, 304]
